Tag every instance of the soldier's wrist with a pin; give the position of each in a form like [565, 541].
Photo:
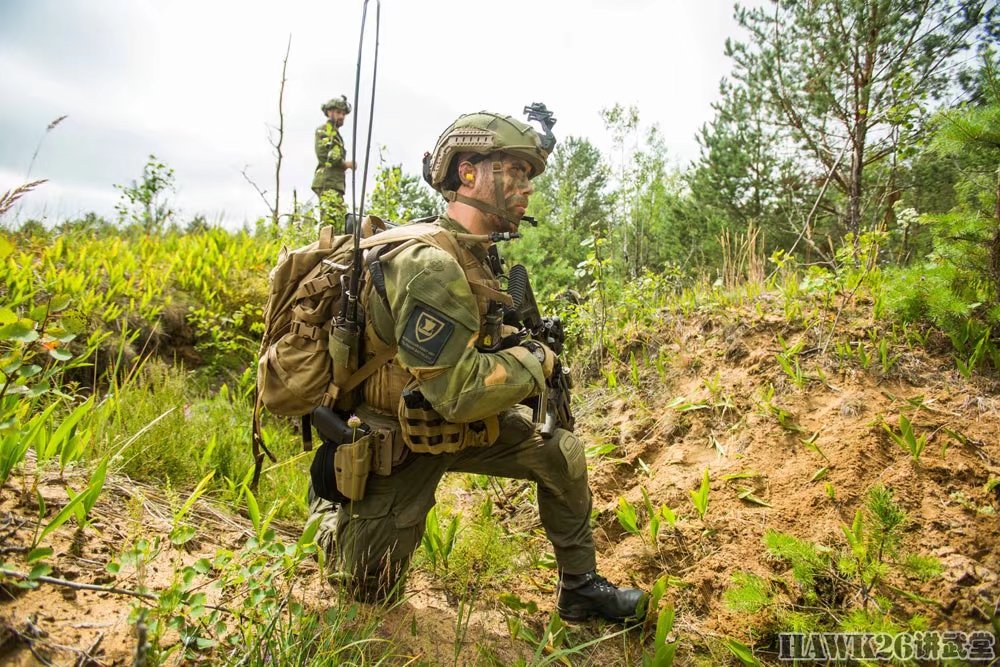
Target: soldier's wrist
[545, 357]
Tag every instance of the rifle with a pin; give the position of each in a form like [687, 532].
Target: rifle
[553, 407]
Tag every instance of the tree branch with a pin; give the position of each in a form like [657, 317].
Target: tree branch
[76, 585]
[253, 184]
[281, 135]
[14, 574]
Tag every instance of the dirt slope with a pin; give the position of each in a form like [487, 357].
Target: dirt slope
[705, 408]
[726, 365]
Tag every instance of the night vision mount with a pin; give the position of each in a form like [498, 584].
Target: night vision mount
[539, 112]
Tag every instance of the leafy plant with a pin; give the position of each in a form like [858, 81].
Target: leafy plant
[627, 516]
[79, 506]
[741, 651]
[13, 447]
[862, 356]
[633, 369]
[887, 360]
[67, 443]
[810, 442]
[437, 544]
[906, 438]
[180, 532]
[788, 359]
[699, 498]
[655, 516]
[664, 643]
[682, 404]
[261, 523]
[839, 588]
[784, 418]
[746, 493]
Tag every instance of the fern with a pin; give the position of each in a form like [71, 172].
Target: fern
[790, 620]
[805, 558]
[750, 593]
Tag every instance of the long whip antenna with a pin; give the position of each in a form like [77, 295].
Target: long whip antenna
[371, 110]
[351, 302]
[357, 94]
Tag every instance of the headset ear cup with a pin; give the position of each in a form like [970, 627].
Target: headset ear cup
[427, 169]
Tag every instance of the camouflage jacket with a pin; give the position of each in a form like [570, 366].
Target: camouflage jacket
[435, 319]
[330, 153]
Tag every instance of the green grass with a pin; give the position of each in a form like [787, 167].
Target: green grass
[179, 431]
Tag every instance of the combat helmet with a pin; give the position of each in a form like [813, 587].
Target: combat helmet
[337, 103]
[484, 133]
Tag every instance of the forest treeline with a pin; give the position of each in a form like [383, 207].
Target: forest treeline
[843, 124]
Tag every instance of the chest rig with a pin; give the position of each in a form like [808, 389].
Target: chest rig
[393, 390]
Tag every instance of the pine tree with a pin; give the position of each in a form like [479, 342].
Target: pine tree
[852, 81]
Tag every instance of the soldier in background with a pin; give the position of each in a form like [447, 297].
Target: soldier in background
[450, 395]
[328, 182]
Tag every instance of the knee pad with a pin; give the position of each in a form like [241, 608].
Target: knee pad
[572, 451]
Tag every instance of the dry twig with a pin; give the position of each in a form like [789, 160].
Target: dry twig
[14, 574]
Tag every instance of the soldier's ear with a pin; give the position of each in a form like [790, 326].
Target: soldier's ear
[467, 173]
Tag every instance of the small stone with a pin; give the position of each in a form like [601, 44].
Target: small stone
[967, 579]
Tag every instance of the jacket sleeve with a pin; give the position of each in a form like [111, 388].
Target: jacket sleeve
[436, 326]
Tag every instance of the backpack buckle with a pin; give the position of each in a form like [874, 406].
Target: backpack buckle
[299, 328]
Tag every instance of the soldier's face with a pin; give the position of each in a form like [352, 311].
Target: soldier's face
[516, 189]
[336, 116]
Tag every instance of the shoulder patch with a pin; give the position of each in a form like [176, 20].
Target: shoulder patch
[426, 334]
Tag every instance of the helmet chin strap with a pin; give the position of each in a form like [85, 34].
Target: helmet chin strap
[500, 209]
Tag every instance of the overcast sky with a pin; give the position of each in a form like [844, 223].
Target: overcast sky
[196, 84]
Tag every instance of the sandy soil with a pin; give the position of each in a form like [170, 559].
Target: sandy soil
[716, 366]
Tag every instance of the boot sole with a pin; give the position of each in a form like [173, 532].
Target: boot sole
[577, 617]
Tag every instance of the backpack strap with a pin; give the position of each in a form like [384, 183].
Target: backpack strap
[369, 368]
[257, 443]
[442, 239]
[448, 242]
[480, 289]
[397, 234]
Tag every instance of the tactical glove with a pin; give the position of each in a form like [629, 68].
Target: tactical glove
[545, 356]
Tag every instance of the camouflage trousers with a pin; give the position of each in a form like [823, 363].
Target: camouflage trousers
[332, 209]
[371, 540]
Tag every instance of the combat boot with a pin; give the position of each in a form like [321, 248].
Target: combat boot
[583, 596]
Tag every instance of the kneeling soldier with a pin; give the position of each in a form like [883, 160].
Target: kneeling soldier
[449, 398]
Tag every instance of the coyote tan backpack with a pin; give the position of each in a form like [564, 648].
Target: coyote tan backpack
[294, 369]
